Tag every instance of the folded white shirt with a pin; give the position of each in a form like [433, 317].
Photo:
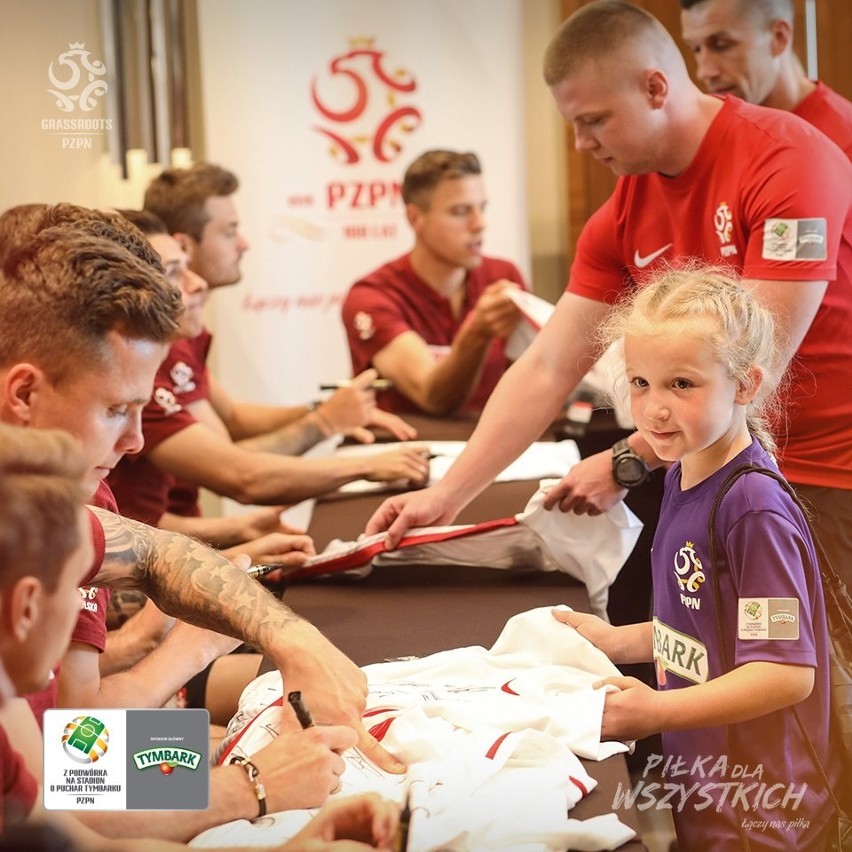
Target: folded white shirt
[490, 739]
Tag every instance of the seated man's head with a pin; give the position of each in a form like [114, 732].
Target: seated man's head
[740, 46]
[45, 550]
[84, 325]
[193, 288]
[197, 206]
[445, 204]
[20, 224]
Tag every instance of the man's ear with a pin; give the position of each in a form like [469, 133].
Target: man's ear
[21, 606]
[187, 243]
[781, 34]
[21, 386]
[656, 88]
[414, 215]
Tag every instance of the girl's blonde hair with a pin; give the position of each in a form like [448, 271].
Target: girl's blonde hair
[743, 333]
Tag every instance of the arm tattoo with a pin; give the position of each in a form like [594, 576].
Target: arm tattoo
[188, 580]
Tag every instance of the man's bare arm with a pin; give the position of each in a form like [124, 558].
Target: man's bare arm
[197, 585]
[245, 420]
[437, 387]
[135, 639]
[197, 454]
[292, 431]
[154, 679]
[523, 404]
[793, 304]
[529, 396]
[442, 386]
[185, 578]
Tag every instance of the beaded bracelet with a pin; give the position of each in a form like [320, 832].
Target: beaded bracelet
[253, 774]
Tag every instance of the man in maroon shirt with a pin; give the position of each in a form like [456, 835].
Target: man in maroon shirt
[85, 361]
[46, 550]
[435, 321]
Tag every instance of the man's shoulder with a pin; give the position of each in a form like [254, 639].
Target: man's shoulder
[192, 351]
[104, 498]
[826, 95]
[395, 276]
[391, 273]
[831, 113]
[19, 787]
[777, 128]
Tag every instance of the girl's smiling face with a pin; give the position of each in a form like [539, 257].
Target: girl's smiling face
[683, 400]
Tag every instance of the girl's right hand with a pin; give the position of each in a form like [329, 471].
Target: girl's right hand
[600, 633]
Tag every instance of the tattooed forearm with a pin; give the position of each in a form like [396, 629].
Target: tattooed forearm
[128, 551]
[188, 580]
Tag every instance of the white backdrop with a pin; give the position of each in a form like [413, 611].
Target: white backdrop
[280, 82]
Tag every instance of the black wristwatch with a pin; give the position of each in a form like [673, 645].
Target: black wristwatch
[629, 469]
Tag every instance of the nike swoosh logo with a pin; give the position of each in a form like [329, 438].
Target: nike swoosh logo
[641, 262]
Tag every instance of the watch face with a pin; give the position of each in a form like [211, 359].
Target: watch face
[629, 471]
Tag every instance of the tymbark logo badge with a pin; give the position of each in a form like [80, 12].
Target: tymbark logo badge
[166, 759]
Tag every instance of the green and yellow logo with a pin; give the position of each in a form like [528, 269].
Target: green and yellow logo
[753, 610]
[85, 739]
[166, 759]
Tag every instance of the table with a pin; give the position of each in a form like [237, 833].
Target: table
[345, 516]
[418, 610]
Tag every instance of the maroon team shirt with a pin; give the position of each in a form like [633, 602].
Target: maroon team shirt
[394, 299]
[18, 786]
[145, 492]
[90, 628]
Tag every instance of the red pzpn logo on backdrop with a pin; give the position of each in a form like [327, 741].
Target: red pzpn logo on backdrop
[363, 106]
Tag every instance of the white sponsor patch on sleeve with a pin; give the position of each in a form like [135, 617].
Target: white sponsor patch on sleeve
[768, 618]
[794, 239]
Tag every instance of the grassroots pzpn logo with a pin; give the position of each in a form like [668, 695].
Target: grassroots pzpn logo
[85, 739]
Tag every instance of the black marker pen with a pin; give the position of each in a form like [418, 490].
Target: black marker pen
[400, 840]
[301, 711]
[376, 384]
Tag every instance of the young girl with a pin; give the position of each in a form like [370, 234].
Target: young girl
[700, 362]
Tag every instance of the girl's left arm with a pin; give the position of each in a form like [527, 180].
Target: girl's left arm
[751, 690]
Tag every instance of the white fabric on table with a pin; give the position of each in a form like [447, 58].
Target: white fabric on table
[589, 548]
[540, 459]
[490, 739]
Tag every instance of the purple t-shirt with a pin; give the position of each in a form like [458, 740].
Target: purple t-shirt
[772, 610]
